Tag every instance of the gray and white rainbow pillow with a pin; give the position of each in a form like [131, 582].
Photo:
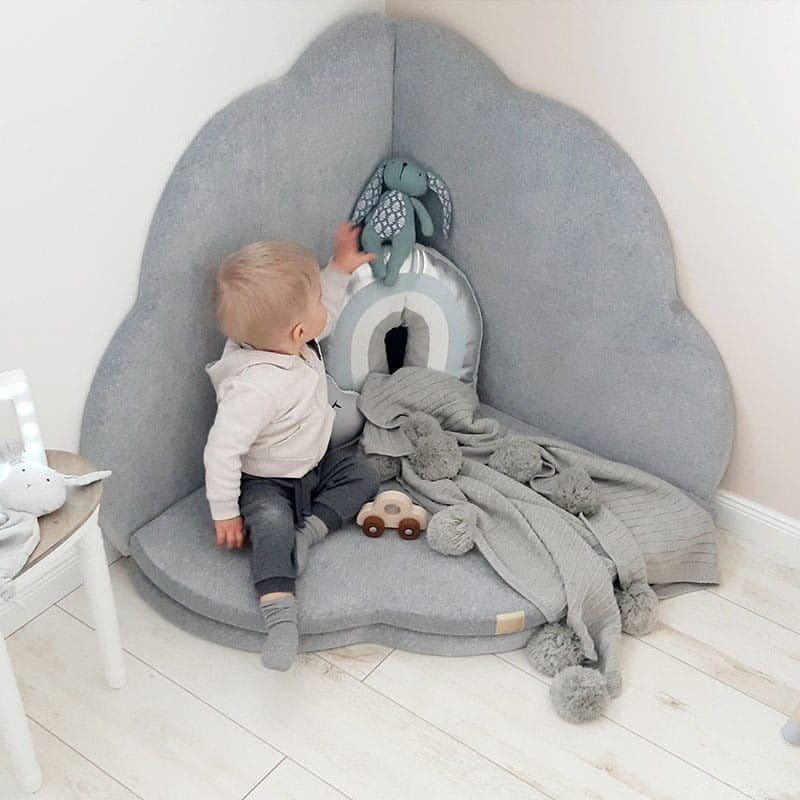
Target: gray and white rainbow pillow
[432, 299]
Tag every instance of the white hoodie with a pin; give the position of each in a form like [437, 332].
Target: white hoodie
[273, 416]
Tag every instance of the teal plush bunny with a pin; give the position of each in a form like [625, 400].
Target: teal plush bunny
[389, 215]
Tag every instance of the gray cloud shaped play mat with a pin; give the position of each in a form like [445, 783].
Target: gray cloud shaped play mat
[554, 228]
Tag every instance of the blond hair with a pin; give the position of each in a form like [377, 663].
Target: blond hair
[263, 290]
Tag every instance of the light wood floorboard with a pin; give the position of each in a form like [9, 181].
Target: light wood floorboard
[289, 781]
[338, 728]
[67, 774]
[703, 700]
[152, 735]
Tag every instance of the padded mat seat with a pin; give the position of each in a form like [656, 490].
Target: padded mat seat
[372, 588]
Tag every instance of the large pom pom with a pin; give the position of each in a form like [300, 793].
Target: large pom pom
[451, 531]
[518, 457]
[554, 647]
[579, 694]
[574, 491]
[436, 457]
[420, 424]
[386, 467]
[638, 608]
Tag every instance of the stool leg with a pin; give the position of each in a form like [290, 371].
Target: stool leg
[14, 730]
[791, 730]
[101, 601]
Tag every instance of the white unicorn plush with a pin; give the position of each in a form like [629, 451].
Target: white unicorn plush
[28, 490]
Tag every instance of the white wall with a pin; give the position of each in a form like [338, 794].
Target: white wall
[705, 96]
[97, 102]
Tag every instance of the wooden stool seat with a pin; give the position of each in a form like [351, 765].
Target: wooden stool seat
[73, 525]
[81, 502]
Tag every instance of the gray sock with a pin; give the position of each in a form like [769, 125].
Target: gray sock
[314, 530]
[280, 647]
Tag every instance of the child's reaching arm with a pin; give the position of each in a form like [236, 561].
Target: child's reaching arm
[347, 258]
[243, 410]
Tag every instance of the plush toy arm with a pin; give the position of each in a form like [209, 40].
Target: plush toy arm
[85, 480]
[425, 222]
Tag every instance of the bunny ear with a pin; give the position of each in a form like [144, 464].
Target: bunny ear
[85, 480]
[11, 451]
[369, 196]
[436, 184]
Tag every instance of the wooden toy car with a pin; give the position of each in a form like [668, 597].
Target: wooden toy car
[392, 509]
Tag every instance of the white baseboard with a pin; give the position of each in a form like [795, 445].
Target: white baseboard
[751, 520]
[43, 585]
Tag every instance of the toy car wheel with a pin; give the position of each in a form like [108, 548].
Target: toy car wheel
[373, 527]
[409, 528]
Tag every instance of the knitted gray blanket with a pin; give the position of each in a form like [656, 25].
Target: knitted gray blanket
[644, 530]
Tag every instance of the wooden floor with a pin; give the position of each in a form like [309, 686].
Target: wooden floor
[699, 717]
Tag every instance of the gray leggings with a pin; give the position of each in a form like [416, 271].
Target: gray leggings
[273, 508]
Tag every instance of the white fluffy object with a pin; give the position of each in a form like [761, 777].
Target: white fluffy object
[28, 490]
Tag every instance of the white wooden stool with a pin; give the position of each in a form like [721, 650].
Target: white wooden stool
[75, 523]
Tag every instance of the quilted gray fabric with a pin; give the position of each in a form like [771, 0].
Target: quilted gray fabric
[283, 161]
[403, 594]
[558, 232]
[243, 639]
[397, 583]
[649, 530]
[571, 261]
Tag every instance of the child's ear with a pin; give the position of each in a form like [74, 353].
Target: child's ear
[298, 332]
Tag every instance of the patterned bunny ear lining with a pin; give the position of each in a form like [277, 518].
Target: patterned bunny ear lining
[436, 184]
[369, 197]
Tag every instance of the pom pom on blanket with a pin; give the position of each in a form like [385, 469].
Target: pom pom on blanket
[554, 647]
[451, 531]
[436, 453]
[518, 457]
[573, 490]
[420, 424]
[579, 694]
[436, 457]
[638, 608]
[386, 467]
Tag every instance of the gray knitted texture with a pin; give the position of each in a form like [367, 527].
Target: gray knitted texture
[645, 530]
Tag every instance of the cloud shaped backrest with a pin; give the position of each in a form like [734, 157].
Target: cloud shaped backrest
[557, 231]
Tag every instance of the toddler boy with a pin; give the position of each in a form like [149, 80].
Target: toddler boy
[269, 473]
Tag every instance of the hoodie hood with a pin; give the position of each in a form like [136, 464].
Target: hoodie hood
[236, 360]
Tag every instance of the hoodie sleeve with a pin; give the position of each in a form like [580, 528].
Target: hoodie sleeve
[334, 285]
[242, 412]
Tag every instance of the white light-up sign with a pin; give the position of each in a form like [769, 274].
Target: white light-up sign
[14, 388]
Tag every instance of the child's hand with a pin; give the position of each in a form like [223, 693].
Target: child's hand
[230, 532]
[347, 254]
